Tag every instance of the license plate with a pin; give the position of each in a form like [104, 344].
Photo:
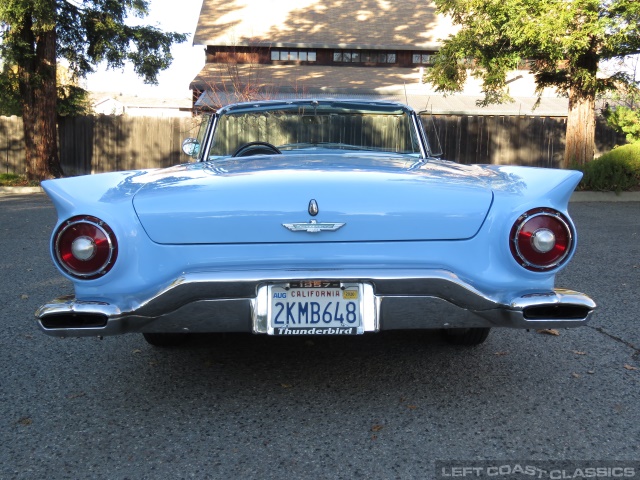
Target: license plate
[315, 307]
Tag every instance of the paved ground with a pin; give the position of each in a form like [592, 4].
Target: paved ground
[381, 406]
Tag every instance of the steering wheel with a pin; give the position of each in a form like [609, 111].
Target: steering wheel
[256, 148]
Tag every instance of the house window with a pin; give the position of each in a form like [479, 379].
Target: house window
[364, 56]
[420, 58]
[281, 55]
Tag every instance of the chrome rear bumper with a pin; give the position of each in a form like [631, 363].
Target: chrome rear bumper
[213, 302]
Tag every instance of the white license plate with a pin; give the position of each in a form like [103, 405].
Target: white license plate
[315, 307]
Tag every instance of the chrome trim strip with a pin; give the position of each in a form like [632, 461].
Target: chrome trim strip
[420, 135]
[209, 139]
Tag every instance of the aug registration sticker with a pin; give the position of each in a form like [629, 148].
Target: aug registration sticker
[315, 308]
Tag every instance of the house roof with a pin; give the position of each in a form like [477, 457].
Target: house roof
[375, 24]
[303, 77]
[419, 101]
[364, 24]
[231, 83]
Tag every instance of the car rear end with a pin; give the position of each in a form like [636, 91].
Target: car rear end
[202, 249]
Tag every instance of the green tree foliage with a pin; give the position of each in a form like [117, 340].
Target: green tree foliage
[35, 34]
[562, 42]
[622, 110]
[72, 99]
[624, 120]
[9, 93]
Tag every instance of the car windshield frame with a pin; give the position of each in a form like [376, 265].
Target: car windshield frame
[300, 111]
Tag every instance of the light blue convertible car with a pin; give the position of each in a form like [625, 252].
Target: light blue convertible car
[313, 217]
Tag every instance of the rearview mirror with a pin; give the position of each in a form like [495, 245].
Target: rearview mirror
[191, 146]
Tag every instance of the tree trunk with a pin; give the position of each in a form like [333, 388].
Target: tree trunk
[581, 129]
[37, 80]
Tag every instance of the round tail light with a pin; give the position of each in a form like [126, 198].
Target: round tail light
[85, 247]
[541, 239]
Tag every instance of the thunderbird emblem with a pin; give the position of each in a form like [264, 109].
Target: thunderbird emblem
[313, 226]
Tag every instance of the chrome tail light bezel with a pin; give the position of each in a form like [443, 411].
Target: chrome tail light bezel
[75, 228]
[557, 223]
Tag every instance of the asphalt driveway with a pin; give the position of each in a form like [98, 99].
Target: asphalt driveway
[378, 406]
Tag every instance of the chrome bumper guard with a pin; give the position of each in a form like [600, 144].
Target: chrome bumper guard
[213, 302]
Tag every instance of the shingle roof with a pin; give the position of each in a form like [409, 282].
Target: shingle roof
[384, 24]
[435, 104]
[385, 83]
[303, 77]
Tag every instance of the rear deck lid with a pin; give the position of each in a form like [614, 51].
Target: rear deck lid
[258, 205]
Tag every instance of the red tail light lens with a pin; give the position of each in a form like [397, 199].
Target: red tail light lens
[85, 247]
[541, 239]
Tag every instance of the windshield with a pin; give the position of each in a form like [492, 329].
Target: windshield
[295, 127]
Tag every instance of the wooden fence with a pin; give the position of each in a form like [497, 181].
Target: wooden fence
[102, 143]
[93, 144]
[11, 145]
[509, 140]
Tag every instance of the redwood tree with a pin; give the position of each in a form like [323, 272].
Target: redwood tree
[563, 43]
[35, 34]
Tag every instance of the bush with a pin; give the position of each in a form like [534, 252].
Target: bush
[617, 170]
[12, 180]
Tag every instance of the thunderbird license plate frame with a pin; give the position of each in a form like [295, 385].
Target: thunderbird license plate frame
[316, 307]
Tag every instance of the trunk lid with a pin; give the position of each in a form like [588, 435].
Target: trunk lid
[378, 199]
